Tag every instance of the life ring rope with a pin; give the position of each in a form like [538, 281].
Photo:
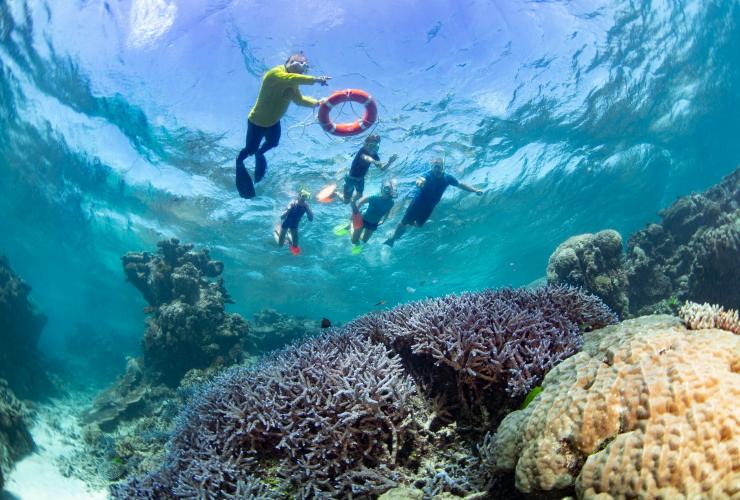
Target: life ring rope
[368, 120]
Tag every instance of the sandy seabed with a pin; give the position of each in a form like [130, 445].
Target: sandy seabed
[38, 476]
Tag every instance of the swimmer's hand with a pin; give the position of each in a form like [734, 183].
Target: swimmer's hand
[323, 80]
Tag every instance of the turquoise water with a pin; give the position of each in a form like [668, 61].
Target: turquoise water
[120, 122]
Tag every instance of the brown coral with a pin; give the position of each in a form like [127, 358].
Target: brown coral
[648, 409]
[700, 316]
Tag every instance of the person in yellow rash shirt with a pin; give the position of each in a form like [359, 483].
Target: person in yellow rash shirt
[279, 88]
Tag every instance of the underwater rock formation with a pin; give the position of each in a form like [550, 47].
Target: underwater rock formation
[270, 330]
[189, 327]
[477, 351]
[593, 262]
[691, 255]
[647, 409]
[130, 397]
[359, 410]
[20, 328]
[15, 439]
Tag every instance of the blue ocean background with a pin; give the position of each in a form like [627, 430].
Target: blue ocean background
[120, 122]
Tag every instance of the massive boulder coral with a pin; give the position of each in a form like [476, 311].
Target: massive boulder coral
[20, 328]
[648, 409]
[15, 439]
[189, 327]
[336, 415]
[593, 262]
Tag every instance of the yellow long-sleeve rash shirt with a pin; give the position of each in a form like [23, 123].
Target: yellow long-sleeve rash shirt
[278, 89]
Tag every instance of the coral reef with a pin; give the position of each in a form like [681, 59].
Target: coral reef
[130, 397]
[359, 410]
[15, 440]
[593, 262]
[20, 327]
[270, 330]
[701, 316]
[647, 409]
[335, 415]
[475, 351]
[189, 327]
[691, 255]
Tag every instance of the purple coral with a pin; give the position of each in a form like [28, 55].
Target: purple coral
[468, 348]
[339, 415]
[330, 416]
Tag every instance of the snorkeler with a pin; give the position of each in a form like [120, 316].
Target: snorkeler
[366, 156]
[378, 207]
[291, 218]
[430, 188]
[279, 87]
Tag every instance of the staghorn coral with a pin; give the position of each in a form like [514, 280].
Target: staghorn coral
[478, 350]
[333, 416]
[190, 327]
[592, 261]
[20, 328]
[701, 316]
[648, 409]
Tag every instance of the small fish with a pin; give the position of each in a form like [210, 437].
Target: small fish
[325, 323]
[380, 303]
[410, 290]
[422, 283]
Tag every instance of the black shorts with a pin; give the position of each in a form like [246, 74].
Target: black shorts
[351, 184]
[372, 226]
[417, 213]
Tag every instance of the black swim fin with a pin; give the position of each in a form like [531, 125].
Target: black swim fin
[244, 183]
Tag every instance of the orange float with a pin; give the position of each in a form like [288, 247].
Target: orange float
[351, 128]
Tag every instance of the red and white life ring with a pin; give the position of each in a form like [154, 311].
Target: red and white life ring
[351, 128]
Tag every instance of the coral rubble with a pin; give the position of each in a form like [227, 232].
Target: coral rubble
[15, 439]
[359, 410]
[647, 409]
[189, 327]
[20, 327]
[691, 255]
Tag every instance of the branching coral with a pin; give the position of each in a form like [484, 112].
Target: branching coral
[480, 348]
[645, 410]
[700, 316]
[335, 415]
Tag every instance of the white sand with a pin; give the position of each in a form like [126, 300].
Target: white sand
[37, 476]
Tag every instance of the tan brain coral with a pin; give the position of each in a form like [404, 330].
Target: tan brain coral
[648, 409]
